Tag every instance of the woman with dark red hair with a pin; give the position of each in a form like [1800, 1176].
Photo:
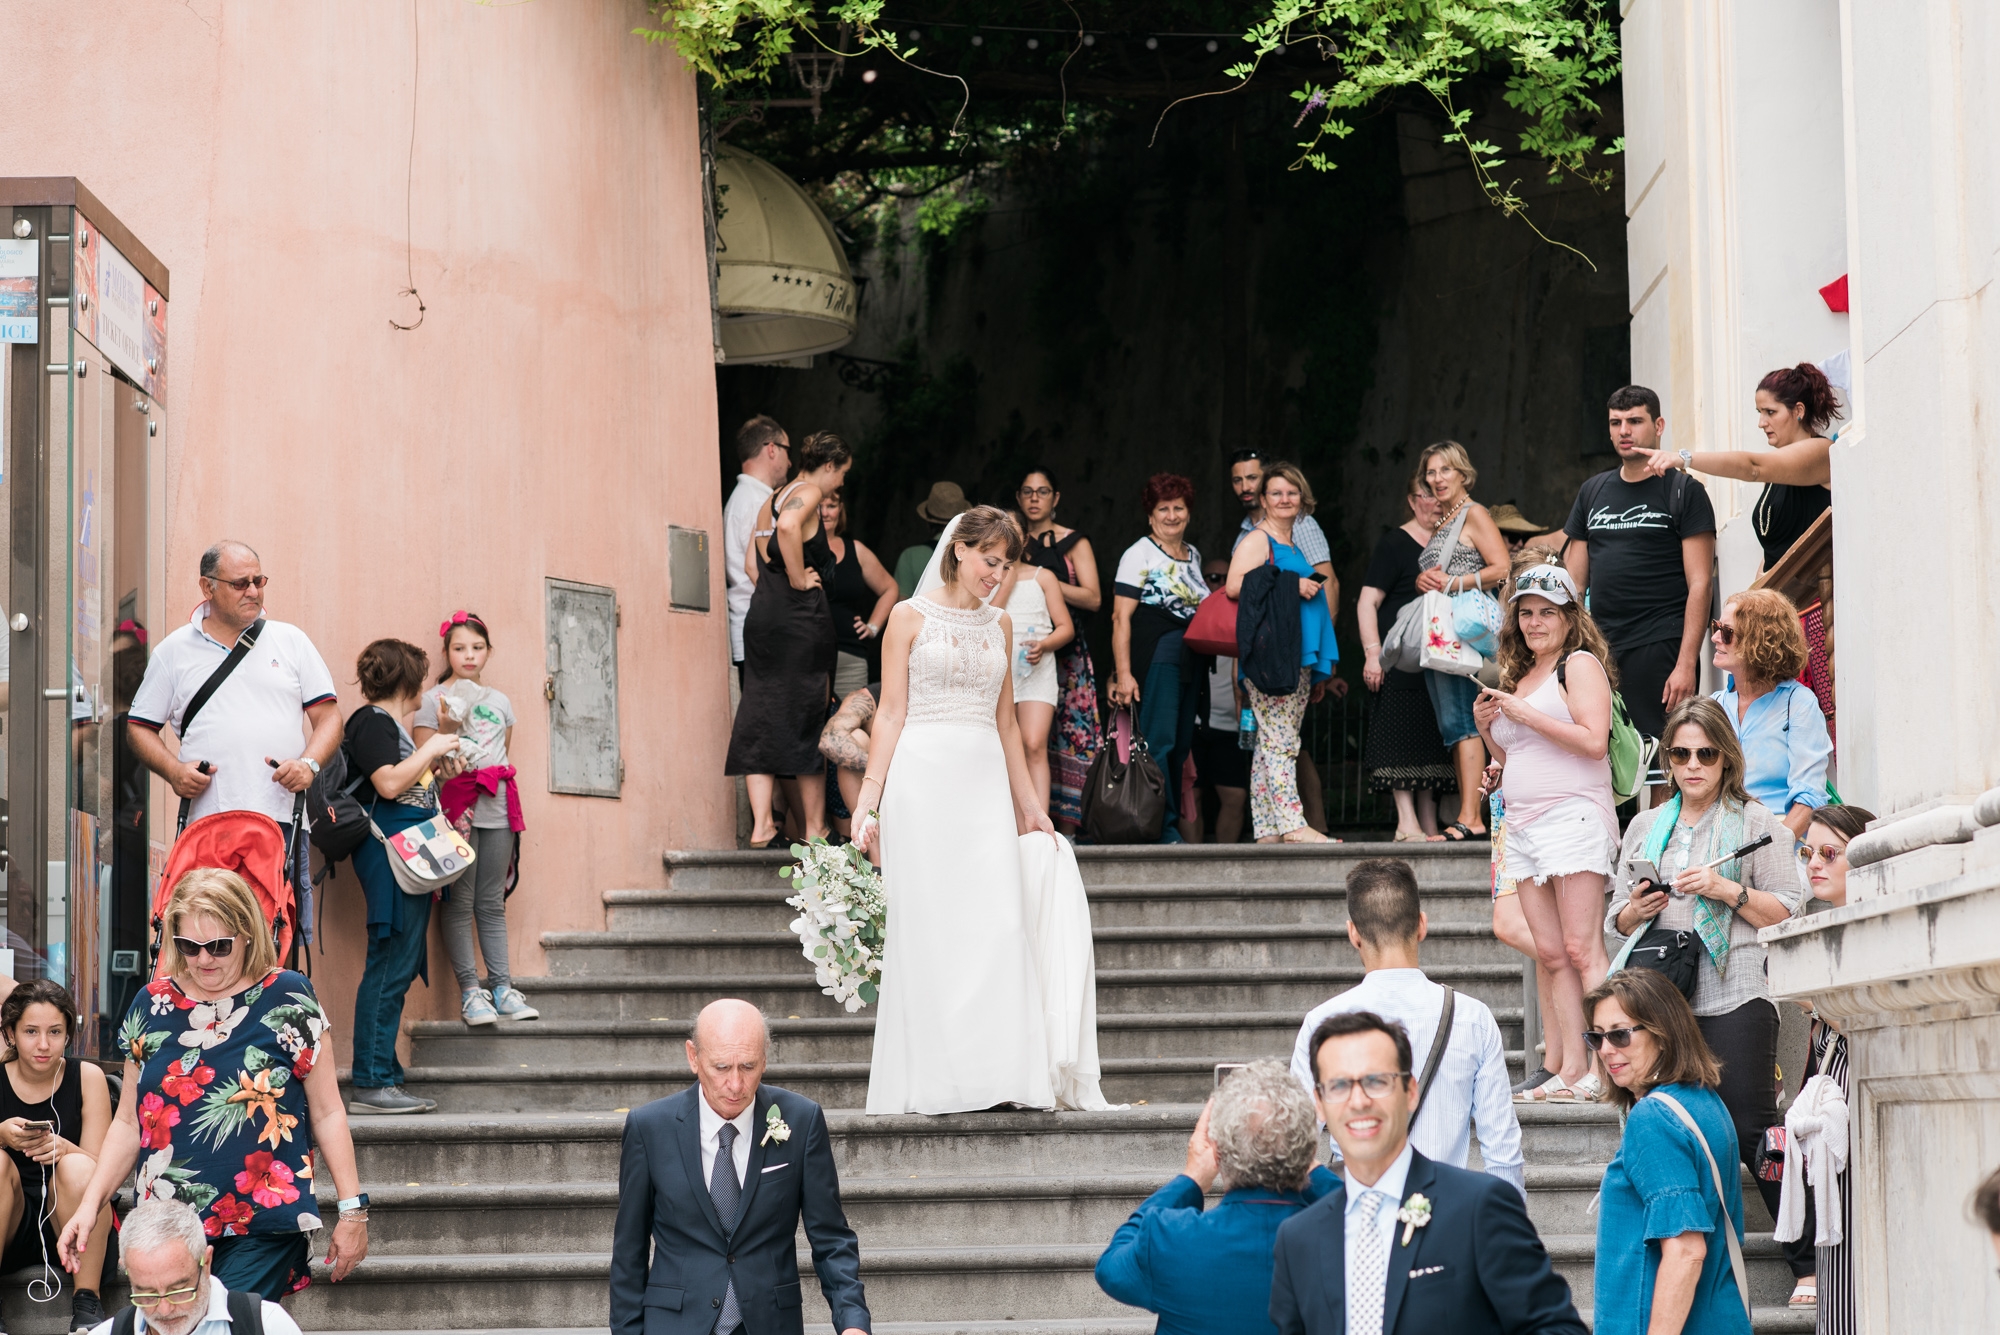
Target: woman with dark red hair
[1154, 595]
[1795, 406]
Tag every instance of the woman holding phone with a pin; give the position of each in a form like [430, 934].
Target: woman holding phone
[1709, 816]
[1277, 815]
[1549, 727]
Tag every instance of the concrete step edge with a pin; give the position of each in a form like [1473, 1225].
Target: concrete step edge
[864, 1023]
[781, 936]
[1090, 853]
[1162, 890]
[1273, 973]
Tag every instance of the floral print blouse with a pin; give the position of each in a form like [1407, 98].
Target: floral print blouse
[223, 1121]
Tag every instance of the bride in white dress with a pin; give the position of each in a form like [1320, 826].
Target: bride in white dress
[988, 986]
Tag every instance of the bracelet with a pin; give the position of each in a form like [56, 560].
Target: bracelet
[354, 1216]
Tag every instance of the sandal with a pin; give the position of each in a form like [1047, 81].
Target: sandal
[1588, 1090]
[1551, 1092]
[1803, 1296]
[1418, 838]
[1466, 834]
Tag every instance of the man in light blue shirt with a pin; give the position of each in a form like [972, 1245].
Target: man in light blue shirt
[167, 1256]
[1385, 922]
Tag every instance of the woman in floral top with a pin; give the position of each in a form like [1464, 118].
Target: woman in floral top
[228, 1093]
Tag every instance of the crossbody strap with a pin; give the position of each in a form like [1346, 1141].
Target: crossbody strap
[1728, 1228]
[245, 642]
[246, 1313]
[1436, 1058]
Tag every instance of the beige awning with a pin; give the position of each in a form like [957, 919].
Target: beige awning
[783, 286]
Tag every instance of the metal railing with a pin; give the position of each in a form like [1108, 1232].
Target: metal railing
[1335, 735]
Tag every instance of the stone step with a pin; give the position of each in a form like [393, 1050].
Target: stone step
[1764, 1321]
[1009, 1282]
[846, 1038]
[1157, 903]
[1244, 946]
[1233, 864]
[447, 1149]
[1294, 988]
[25, 1316]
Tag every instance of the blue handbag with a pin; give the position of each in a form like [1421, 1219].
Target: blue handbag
[1476, 616]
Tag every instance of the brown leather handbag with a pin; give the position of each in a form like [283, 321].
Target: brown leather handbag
[1124, 795]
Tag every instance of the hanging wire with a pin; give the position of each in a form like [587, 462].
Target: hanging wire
[409, 179]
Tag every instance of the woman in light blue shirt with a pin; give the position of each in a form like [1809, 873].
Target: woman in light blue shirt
[1665, 1266]
[1778, 721]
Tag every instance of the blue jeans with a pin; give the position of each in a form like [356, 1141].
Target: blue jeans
[1166, 721]
[392, 966]
[1451, 699]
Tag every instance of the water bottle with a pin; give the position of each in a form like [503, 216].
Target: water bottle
[1246, 731]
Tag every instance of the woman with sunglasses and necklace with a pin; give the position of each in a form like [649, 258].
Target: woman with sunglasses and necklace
[1664, 1264]
[230, 1103]
[1777, 718]
[1549, 727]
[1709, 816]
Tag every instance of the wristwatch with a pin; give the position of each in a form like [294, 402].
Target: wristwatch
[310, 763]
[1742, 898]
[353, 1203]
[1687, 460]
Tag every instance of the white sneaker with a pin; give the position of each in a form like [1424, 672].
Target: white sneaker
[476, 1007]
[511, 1005]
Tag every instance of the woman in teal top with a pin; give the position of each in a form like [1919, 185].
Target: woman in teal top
[1663, 1266]
[1276, 813]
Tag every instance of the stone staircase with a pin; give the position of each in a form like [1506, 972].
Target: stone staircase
[496, 1212]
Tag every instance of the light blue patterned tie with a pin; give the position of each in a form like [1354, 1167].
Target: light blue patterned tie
[727, 1193]
[1370, 1277]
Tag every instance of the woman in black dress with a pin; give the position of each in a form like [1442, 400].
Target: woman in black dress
[53, 1116]
[788, 641]
[860, 595]
[1405, 753]
[1066, 554]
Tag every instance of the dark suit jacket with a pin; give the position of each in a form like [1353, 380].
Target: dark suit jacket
[1478, 1267]
[663, 1197]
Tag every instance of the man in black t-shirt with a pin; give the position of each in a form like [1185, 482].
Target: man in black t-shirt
[1644, 547]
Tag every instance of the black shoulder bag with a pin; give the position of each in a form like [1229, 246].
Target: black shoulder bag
[1436, 1057]
[244, 644]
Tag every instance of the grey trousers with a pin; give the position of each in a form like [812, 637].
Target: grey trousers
[481, 897]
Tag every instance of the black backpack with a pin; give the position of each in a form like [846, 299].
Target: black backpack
[339, 823]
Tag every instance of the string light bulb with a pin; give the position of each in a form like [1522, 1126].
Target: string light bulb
[1152, 43]
[1211, 45]
[1034, 43]
[1090, 39]
[868, 76]
[978, 40]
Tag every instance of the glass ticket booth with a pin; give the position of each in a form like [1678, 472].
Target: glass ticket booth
[83, 364]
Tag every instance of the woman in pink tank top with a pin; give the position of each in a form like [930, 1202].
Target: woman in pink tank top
[1549, 728]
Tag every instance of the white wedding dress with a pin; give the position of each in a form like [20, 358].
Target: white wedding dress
[988, 991]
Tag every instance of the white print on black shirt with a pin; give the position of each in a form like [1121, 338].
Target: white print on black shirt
[1605, 520]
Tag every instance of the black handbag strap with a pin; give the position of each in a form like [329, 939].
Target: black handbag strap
[1436, 1058]
[245, 642]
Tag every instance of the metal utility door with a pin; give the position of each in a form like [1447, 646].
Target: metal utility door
[582, 688]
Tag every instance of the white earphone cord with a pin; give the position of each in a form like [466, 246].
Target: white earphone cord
[51, 1281]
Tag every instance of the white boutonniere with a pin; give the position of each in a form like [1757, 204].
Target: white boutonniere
[1416, 1212]
[775, 1129]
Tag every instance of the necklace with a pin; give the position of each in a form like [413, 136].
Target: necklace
[1181, 555]
[1445, 521]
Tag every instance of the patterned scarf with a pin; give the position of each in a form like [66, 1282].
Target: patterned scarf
[1711, 919]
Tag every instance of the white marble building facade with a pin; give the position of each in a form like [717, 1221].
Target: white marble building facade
[1773, 146]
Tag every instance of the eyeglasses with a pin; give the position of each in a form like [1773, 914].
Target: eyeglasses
[1595, 1039]
[219, 949]
[1724, 635]
[173, 1297]
[1680, 755]
[1827, 853]
[240, 585]
[1549, 583]
[1375, 1084]
[1036, 493]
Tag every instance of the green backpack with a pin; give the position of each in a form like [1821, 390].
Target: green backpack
[1626, 750]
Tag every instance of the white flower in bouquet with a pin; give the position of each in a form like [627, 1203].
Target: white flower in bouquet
[842, 917]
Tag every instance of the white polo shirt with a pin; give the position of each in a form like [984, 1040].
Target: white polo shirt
[259, 711]
[739, 520]
[277, 1321]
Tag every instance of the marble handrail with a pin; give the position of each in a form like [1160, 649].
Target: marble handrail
[1944, 825]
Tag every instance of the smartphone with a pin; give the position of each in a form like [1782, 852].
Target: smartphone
[1223, 1070]
[1643, 870]
[39, 1128]
[1317, 578]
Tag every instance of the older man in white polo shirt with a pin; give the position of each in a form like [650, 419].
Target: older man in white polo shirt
[251, 733]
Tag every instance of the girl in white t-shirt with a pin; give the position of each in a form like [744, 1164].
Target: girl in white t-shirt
[486, 794]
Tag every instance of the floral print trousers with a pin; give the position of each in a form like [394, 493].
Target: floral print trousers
[1275, 808]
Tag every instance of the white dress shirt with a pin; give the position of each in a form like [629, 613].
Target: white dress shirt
[711, 1140]
[1389, 1184]
[739, 517]
[277, 1321]
[1471, 1083]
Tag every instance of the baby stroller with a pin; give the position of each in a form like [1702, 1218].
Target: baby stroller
[253, 846]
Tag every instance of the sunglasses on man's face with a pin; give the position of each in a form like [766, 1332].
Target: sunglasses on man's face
[241, 585]
[219, 949]
[1595, 1039]
[1680, 755]
[1724, 635]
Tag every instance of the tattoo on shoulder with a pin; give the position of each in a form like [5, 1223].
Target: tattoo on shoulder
[794, 504]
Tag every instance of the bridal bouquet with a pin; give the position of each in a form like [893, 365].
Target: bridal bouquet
[842, 916]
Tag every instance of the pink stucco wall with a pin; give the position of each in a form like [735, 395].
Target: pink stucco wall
[553, 415]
